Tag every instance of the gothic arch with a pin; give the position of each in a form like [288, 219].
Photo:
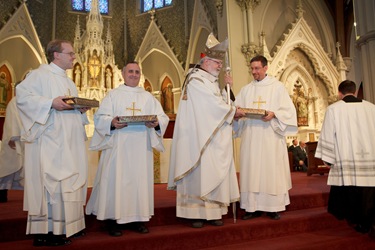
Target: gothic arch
[155, 56]
[317, 16]
[154, 64]
[301, 37]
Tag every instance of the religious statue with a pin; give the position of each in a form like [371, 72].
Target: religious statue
[301, 103]
[4, 87]
[108, 78]
[94, 69]
[77, 76]
[168, 99]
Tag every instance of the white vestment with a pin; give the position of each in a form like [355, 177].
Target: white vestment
[124, 183]
[201, 165]
[265, 174]
[55, 154]
[11, 160]
[347, 141]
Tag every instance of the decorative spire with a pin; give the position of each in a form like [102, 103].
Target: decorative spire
[340, 64]
[95, 24]
[219, 6]
[264, 48]
[152, 14]
[78, 30]
[109, 44]
[299, 9]
[109, 34]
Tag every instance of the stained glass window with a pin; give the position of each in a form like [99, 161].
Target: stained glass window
[148, 5]
[85, 6]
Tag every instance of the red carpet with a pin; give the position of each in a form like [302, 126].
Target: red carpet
[305, 225]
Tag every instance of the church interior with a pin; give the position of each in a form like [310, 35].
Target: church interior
[311, 47]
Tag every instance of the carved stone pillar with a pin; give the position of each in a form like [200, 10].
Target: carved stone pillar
[249, 49]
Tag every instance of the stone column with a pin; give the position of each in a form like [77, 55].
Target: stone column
[365, 33]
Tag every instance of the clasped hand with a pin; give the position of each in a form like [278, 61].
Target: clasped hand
[59, 104]
[228, 79]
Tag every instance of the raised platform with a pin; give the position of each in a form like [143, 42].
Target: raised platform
[305, 225]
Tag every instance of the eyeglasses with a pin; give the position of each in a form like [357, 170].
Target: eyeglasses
[218, 62]
[68, 53]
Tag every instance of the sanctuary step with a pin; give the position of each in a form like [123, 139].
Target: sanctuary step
[305, 225]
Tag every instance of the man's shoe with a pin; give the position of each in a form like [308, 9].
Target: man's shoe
[197, 224]
[371, 234]
[216, 222]
[251, 215]
[79, 234]
[3, 195]
[51, 240]
[140, 227]
[360, 228]
[113, 228]
[40, 240]
[273, 215]
[115, 232]
[57, 240]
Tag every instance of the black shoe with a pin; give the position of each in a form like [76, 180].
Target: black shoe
[197, 224]
[115, 232]
[360, 228]
[79, 234]
[113, 228]
[57, 240]
[3, 195]
[50, 240]
[40, 240]
[216, 222]
[371, 234]
[251, 215]
[141, 228]
[273, 215]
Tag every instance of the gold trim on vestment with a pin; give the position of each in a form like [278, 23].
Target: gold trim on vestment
[204, 147]
[208, 203]
[184, 96]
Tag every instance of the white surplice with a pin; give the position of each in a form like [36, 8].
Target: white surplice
[55, 154]
[11, 160]
[124, 183]
[264, 165]
[344, 142]
[201, 164]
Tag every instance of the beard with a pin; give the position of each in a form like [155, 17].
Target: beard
[215, 73]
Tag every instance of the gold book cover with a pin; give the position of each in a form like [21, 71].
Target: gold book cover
[137, 119]
[78, 102]
[254, 113]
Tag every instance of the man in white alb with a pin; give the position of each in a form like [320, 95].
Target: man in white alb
[123, 189]
[264, 164]
[55, 153]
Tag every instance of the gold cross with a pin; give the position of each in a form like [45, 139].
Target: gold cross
[133, 109]
[259, 102]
